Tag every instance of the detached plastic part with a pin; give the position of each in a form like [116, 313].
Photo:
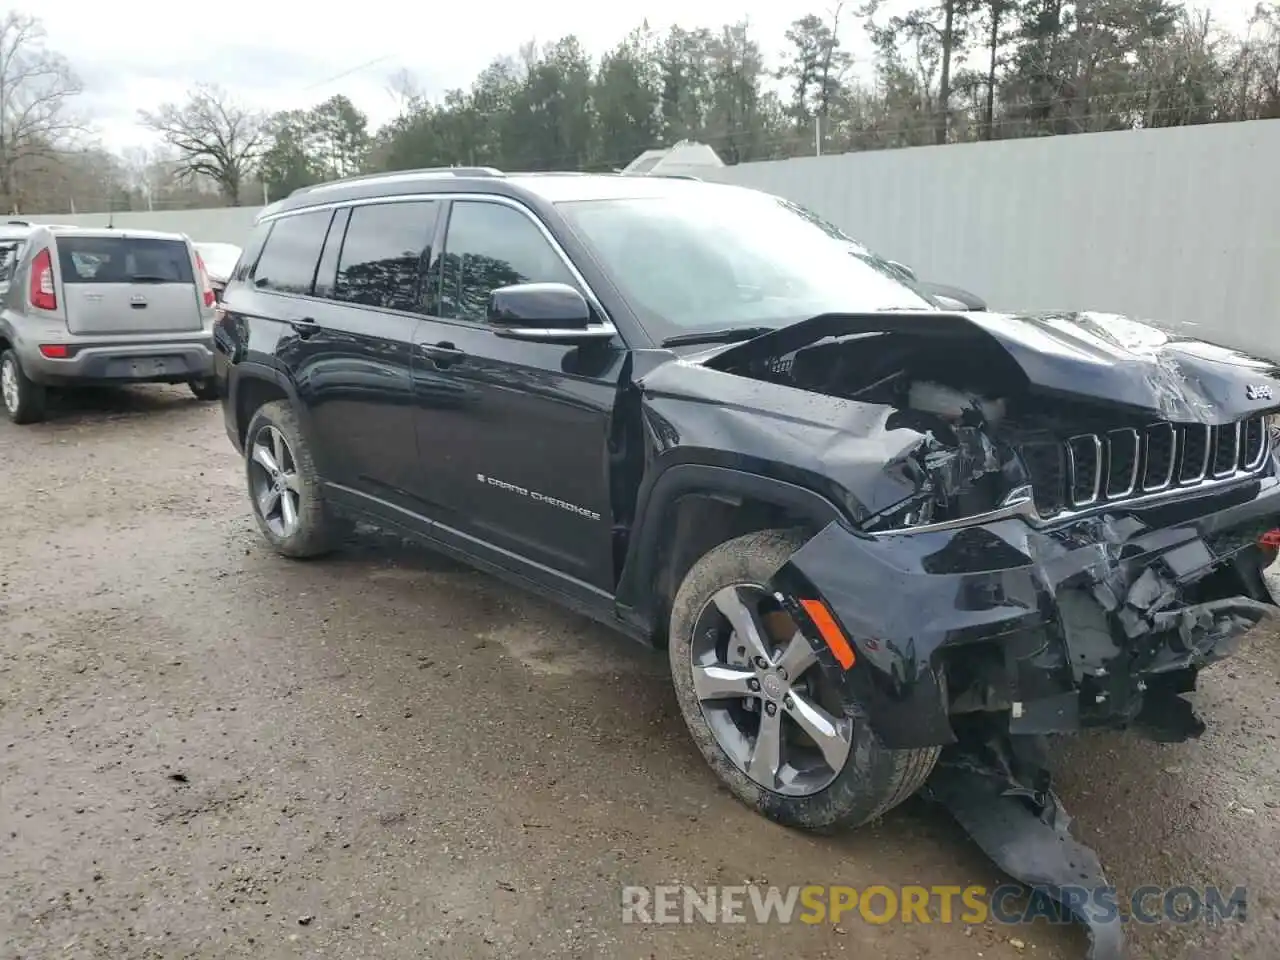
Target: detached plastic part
[1022, 827]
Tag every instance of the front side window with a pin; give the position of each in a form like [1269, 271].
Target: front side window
[288, 261]
[714, 257]
[491, 245]
[384, 253]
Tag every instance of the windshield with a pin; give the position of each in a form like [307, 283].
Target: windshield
[713, 259]
[219, 258]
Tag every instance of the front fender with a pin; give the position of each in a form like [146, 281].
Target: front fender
[655, 509]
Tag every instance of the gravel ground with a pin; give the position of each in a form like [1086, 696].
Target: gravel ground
[209, 751]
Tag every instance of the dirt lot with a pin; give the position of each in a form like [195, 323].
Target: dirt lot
[208, 751]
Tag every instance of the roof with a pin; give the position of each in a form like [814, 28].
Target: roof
[553, 187]
[71, 229]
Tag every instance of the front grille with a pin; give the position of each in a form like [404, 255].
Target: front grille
[1090, 469]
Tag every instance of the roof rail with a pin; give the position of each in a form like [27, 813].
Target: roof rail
[421, 171]
[18, 223]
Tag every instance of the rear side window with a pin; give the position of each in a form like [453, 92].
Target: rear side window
[123, 260]
[288, 261]
[10, 254]
[384, 252]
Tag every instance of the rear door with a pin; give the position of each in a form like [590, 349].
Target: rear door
[122, 284]
[351, 352]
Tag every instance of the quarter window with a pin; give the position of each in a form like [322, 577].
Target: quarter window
[288, 261]
[384, 253]
[491, 245]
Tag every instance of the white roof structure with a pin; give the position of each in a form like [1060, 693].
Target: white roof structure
[686, 158]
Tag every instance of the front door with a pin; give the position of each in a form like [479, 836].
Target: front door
[352, 350]
[513, 436]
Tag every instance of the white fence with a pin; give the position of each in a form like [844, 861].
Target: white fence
[1179, 225]
[214, 225]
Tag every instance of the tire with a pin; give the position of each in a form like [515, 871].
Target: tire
[872, 778]
[24, 400]
[315, 530]
[206, 389]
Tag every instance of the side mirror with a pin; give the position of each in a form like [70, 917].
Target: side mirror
[903, 269]
[544, 313]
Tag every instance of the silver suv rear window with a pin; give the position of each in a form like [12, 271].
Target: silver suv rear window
[123, 260]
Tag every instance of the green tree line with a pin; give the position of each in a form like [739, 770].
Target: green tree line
[944, 72]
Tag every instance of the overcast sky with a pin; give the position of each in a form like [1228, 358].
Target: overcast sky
[142, 54]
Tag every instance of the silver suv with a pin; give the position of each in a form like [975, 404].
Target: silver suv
[88, 306]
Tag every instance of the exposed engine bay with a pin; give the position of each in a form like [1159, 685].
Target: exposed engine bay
[986, 439]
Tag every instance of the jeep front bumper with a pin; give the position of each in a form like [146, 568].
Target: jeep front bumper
[1101, 622]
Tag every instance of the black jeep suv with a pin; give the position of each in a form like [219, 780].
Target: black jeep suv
[865, 529]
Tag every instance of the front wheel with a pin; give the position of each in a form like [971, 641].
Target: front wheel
[284, 487]
[24, 399]
[765, 716]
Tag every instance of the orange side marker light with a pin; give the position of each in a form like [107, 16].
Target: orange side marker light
[830, 632]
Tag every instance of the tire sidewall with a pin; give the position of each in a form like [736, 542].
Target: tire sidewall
[313, 535]
[204, 390]
[864, 786]
[30, 395]
[8, 360]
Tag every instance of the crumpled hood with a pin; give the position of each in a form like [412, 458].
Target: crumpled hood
[1093, 356]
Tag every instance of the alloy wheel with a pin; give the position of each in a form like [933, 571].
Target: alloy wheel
[764, 696]
[273, 481]
[9, 383]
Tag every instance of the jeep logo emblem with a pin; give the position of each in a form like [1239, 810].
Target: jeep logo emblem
[1257, 391]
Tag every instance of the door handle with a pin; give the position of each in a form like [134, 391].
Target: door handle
[304, 326]
[443, 353]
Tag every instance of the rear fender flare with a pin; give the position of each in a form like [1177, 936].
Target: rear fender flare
[247, 372]
[655, 509]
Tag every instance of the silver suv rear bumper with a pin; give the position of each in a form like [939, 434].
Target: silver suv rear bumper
[145, 361]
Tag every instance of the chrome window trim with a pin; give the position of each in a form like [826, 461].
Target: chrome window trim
[547, 235]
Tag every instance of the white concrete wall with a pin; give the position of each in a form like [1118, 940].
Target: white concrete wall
[1180, 224]
[215, 225]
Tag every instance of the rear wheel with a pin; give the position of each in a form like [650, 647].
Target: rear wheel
[759, 706]
[24, 400]
[284, 487]
[206, 389]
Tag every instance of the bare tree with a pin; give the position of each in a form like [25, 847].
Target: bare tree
[214, 137]
[36, 86]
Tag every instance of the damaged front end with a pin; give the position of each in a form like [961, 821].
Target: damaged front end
[1027, 545]
[1058, 560]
